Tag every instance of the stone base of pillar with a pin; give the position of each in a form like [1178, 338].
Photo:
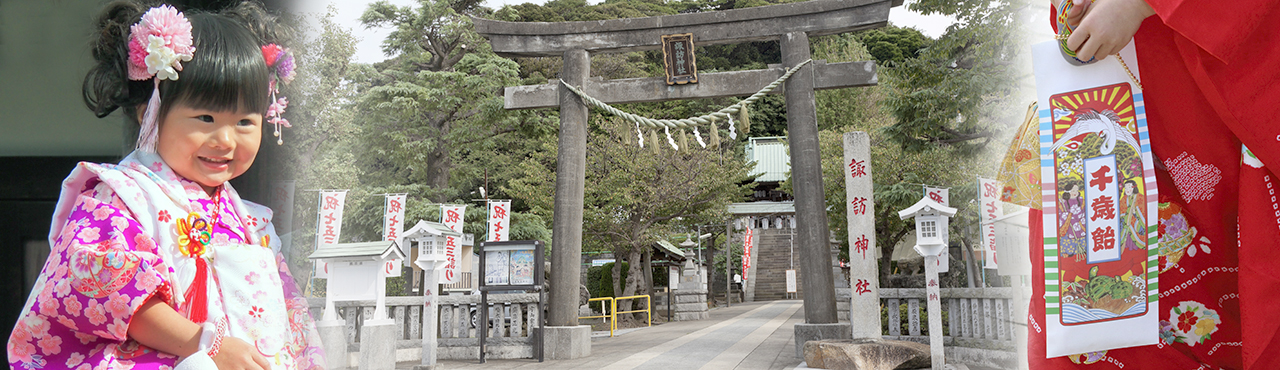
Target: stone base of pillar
[378, 344]
[867, 353]
[333, 338]
[808, 332]
[567, 342]
[691, 305]
[425, 367]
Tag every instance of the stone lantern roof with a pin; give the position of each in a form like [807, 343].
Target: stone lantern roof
[424, 228]
[926, 205]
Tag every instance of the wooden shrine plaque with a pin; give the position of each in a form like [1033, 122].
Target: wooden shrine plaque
[677, 57]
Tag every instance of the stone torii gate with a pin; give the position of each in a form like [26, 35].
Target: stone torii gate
[791, 24]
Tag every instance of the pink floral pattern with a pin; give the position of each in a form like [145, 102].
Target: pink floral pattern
[107, 261]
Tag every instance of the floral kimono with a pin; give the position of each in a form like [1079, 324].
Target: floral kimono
[1074, 238]
[1209, 70]
[123, 234]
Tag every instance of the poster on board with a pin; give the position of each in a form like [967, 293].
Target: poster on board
[522, 267]
[497, 269]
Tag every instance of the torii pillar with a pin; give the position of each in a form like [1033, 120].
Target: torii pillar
[812, 234]
[792, 24]
[565, 339]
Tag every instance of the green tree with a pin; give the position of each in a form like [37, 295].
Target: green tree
[436, 100]
[960, 92]
[432, 118]
[635, 195]
[319, 145]
[892, 45]
[898, 172]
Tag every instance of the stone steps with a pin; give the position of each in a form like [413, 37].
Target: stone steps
[773, 259]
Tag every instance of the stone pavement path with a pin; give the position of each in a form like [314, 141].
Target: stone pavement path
[750, 336]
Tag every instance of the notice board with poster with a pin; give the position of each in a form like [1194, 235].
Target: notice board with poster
[507, 266]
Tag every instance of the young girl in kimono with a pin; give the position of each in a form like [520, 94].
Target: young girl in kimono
[1207, 71]
[156, 261]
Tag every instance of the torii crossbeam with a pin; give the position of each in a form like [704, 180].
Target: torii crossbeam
[791, 24]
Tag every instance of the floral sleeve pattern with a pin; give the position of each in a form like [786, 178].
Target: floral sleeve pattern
[102, 268]
[304, 339]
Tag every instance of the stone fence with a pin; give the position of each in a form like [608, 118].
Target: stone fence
[511, 318]
[979, 325]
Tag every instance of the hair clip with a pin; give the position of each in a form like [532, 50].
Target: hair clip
[158, 44]
[281, 66]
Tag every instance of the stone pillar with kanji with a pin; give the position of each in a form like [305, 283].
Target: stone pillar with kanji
[864, 310]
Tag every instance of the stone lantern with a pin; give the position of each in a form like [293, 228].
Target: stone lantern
[435, 252]
[931, 218]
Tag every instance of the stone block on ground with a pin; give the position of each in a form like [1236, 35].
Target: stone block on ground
[866, 354]
[691, 307]
[567, 342]
[333, 337]
[378, 344]
[806, 332]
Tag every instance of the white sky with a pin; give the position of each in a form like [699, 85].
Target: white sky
[369, 44]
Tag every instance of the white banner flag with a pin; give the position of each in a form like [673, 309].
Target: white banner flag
[392, 227]
[499, 220]
[989, 203]
[451, 216]
[328, 224]
[941, 195]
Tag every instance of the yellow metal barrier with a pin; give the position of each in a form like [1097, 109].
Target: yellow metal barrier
[612, 313]
[608, 314]
[648, 307]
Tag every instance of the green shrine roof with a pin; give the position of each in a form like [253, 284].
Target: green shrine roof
[384, 249]
[670, 250]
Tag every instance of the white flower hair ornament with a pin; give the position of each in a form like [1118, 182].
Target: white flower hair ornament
[158, 44]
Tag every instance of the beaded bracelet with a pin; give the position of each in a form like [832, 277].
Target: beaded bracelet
[211, 338]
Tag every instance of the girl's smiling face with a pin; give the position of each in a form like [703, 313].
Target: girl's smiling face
[206, 146]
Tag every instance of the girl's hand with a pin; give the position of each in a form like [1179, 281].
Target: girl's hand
[1078, 8]
[236, 354]
[1107, 26]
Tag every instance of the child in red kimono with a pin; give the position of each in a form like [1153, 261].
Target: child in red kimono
[156, 261]
[1208, 69]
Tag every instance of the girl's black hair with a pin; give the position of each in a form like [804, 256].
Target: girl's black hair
[226, 72]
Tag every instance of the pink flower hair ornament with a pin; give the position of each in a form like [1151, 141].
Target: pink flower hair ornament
[158, 44]
[280, 64]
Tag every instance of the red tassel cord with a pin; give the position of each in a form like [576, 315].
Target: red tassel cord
[194, 236]
[197, 295]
